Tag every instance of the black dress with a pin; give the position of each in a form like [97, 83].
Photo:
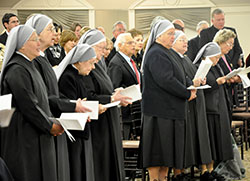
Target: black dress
[55, 54]
[27, 146]
[164, 100]
[197, 145]
[71, 84]
[218, 107]
[57, 106]
[106, 131]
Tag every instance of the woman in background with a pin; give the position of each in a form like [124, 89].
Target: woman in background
[67, 41]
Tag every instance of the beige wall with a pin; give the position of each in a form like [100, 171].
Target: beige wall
[106, 19]
[2, 12]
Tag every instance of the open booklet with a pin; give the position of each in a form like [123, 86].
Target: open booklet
[6, 111]
[242, 73]
[133, 92]
[204, 68]
[200, 87]
[72, 121]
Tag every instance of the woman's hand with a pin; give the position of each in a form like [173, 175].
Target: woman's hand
[221, 80]
[117, 96]
[80, 107]
[56, 130]
[197, 82]
[193, 95]
[101, 109]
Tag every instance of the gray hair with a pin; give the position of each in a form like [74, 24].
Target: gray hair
[199, 25]
[117, 23]
[217, 11]
[223, 35]
[120, 39]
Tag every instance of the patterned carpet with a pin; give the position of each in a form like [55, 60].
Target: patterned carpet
[246, 162]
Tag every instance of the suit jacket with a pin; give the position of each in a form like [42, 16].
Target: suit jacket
[122, 75]
[3, 38]
[193, 47]
[208, 34]
[112, 53]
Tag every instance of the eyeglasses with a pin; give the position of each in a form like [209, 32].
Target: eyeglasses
[15, 22]
[171, 34]
[35, 39]
[120, 30]
[52, 29]
[230, 44]
[130, 42]
[100, 47]
[183, 40]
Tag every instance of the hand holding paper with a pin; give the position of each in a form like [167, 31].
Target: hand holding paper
[133, 92]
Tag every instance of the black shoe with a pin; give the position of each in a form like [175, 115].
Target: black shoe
[180, 177]
[206, 176]
[217, 176]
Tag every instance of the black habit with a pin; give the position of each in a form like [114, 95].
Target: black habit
[197, 144]
[106, 131]
[217, 107]
[27, 146]
[55, 54]
[164, 100]
[57, 106]
[207, 35]
[193, 47]
[72, 85]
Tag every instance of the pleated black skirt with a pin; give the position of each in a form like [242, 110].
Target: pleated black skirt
[162, 142]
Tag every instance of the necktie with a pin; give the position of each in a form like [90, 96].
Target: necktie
[136, 71]
[225, 60]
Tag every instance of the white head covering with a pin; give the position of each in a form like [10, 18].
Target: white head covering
[18, 36]
[177, 35]
[92, 37]
[38, 22]
[79, 53]
[159, 28]
[211, 49]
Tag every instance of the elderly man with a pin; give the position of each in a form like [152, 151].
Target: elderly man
[193, 44]
[179, 24]
[9, 21]
[124, 73]
[118, 28]
[207, 35]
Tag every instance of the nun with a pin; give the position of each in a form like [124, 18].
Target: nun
[197, 146]
[106, 131]
[27, 145]
[45, 30]
[217, 108]
[164, 99]
[80, 61]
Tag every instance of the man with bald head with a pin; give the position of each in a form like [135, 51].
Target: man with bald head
[193, 44]
[179, 24]
[123, 72]
[207, 35]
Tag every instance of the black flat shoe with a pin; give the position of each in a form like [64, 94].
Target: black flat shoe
[217, 176]
[180, 177]
[206, 176]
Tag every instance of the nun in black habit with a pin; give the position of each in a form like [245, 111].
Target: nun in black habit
[164, 99]
[27, 145]
[45, 30]
[106, 131]
[197, 146]
[79, 61]
[217, 107]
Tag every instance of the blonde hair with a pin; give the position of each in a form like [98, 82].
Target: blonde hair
[223, 35]
[109, 42]
[67, 35]
[84, 30]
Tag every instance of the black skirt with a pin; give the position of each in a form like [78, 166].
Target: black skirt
[162, 142]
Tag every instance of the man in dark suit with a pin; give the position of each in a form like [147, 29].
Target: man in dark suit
[124, 73]
[193, 44]
[118, 28]
[207, 35]
[9, 21]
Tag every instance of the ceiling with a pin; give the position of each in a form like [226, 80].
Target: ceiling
[104, 4]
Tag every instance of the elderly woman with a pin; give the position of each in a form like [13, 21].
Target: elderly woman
[67, 41]
[27, 145]
[217, 108]
[80, 62]
[106, 131]
[197, 147]
[225, 39]
[55, 53]
[164, 98]
[45, 30]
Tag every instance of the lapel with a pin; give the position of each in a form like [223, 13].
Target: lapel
[127, 66]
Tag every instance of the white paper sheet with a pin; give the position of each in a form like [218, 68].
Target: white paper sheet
[238, 71]
[245, 80]
[74, 121]
[93, 106]
[200, 87]
[204, 68]
[6, 111]
[113, 104]
[133, 92]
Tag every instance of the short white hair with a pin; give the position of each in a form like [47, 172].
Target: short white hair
[121, 39]
[199, 25]
[117, 23]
